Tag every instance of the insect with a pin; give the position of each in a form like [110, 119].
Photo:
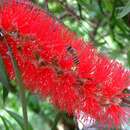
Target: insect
[57, 68]
[22, 38]
[125, 102]
[74, 54]
[106, 102]
[40, 62]
[2, 34]
[79, 81]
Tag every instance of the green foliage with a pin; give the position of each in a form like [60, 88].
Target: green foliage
[125, 10]
[128, 55]
[4, 80]
[4, 122]
[3, 75]
[19, 119]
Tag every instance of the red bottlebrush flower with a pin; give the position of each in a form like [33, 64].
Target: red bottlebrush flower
[55, 63]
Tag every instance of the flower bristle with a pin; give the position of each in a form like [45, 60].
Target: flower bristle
[75, 79]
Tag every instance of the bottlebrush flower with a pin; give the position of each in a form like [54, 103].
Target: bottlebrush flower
[56, 64]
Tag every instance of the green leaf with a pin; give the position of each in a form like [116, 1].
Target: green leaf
[5, 94]
[3, 75]
[4, 80]
[34, 106]
[128, 57]
[125, 10]
[18, 119]
[82, 2]
[107, 5]
[58, 117]
[4, 122]
[11, 126]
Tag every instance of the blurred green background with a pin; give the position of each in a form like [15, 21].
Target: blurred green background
[106, 23]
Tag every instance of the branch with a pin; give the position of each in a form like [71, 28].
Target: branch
[69, 9]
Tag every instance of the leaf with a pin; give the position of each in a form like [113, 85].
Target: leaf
[4, 80]
[107, 5]
[3, 75]
[58, 117]
[82, 2]
[125, 10]
[5, 94]
[4, 122]
[128, 57]
[18, 119]
[11, 126]
[34, 106]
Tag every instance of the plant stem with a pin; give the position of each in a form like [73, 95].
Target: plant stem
[20, 84]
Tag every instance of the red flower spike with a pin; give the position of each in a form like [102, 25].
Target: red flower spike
[55, 63]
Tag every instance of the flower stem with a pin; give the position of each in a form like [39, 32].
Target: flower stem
[20, 84]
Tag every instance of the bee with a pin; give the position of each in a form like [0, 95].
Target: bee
[40, 62]
[106, 102]
[2, 34]
[23, 38]
[125, 102]
[74, 54]
[116, 100]
[79, 82]
[56, 66]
